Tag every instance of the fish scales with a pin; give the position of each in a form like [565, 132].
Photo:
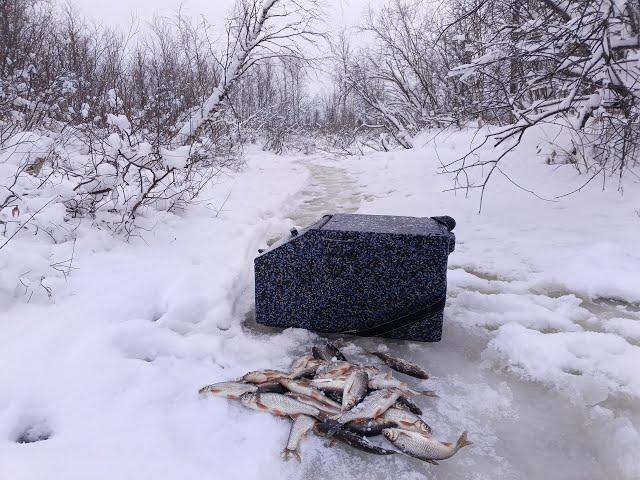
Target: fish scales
[374, 405]
[280, 405]
[355, 389]
[264, 376]
[315, 403]
[402, 366]
[305, 387]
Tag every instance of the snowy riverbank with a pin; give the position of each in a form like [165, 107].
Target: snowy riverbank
[541, 337]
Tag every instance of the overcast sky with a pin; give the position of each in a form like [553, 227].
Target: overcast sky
[119, 12]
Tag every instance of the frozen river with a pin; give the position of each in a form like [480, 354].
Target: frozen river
[521, 429]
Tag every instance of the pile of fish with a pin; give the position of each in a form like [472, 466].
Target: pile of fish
[344, 401]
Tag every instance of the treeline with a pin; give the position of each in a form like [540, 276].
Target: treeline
[116, 123]
[510, 64]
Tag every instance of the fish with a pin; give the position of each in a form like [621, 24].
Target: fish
[330, 384]
[300, 427]
[328, 352]
[352, 439]
[306, 388]
[334, 369]
[355, 389]
[402, 366]
[306, 366]
[302, 362]
[323, 407]
[279, 405]
[407, 421]
[230, 390]
[373, 406]
[387, 380]
[406, 404]
[264, 376]
[424, 448]
[370, 427]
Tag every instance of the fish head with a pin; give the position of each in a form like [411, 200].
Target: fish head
[209, 389]
[391, 434]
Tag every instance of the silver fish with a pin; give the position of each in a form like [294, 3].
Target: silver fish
[327, 352]
[402, 366]
[425, 448]
[370, 427]
[323, 407]
[230, 390]
[280, 405]
[355, 389]
[382, 380]
[374, 405]
[306, 366]
[334, 369]
[264, 376]
[306, 388]
[299, 429]
[407, 421]
[329, 384]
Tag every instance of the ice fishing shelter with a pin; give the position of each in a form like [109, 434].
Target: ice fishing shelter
[367, 275]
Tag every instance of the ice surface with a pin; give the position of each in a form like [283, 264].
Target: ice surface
[538, 359]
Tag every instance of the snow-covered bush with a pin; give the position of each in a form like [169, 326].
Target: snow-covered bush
[107, 127]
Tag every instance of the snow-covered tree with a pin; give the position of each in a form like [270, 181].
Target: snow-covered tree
[540, 61]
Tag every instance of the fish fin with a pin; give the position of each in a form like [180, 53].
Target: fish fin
[447, 444]
[462, 441]
[432, 462]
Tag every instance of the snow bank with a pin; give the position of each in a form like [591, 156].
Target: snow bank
[548, 286]
[537, 360]
[109, 367]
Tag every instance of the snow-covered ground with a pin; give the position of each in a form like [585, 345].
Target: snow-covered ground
[538, 361]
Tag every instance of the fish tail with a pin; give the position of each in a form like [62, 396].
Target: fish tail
[429, 393]
[287, 454]
[462, 441]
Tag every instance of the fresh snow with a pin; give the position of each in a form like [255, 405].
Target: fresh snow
[538, 361]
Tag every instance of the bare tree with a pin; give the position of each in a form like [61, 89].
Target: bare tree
[546, 61]
[259, 30]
